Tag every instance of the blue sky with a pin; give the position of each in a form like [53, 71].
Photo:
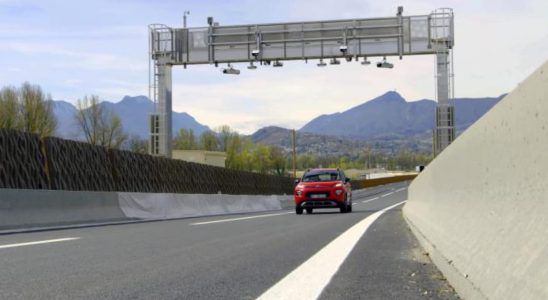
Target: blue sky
[78, 48]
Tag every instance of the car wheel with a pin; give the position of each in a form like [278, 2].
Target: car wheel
[308, 210]
[298, 210]
[344, 208]
[349, 208]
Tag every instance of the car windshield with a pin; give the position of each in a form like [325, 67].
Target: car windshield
[321, 176]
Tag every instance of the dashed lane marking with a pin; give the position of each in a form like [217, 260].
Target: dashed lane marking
[376, 198]
[38, 242]
[239, 219]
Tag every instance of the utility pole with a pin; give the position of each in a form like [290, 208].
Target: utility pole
[186, 13]
[368, 157]
[294, 153]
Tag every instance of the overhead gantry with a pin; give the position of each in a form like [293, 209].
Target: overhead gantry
[271, 44]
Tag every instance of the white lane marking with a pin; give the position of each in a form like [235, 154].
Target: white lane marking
[309, 279]
[238, 219]
[376, 198]
[399, 190]
[387, 194]
[39, 242]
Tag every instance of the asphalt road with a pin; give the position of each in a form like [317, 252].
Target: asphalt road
[273, 255]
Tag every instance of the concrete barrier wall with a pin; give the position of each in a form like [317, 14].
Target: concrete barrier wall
[171, 206]
[481, 207]
[37, 208]
[27, 209]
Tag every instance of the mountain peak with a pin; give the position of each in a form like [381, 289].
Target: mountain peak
[390, 115]
[390, 96]
[137, 99]
[133, 112]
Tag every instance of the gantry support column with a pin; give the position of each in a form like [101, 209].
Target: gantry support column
[444, 134]
[160, 121]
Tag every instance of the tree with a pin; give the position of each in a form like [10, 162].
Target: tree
[112, 135]
[9, 108]
[37, 111]
[225, 136]
[246, 155]
[137, 145]
[279, 160]
[344, 163]
[27, 109]
[262, 160]
[185, 140]
[233, 149]
[208, 141]
[99, 126]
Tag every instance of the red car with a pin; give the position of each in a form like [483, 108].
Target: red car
[323, 188]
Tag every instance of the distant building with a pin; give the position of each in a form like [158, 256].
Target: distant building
[212, 158]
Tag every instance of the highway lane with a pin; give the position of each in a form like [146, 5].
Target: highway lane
[231, 257]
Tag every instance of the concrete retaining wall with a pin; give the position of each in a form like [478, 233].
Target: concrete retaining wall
[481, 207]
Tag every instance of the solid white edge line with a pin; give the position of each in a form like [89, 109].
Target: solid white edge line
[376, 198]
[309, 279]
[38, 242]
[238, 219]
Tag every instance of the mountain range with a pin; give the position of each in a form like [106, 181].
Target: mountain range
[133, 111]
[391, 116]
[387, 123]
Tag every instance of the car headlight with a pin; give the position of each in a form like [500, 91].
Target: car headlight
[299, 193]
[338, 192]
[338, 185]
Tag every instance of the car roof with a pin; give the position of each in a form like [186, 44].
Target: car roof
[319, 170]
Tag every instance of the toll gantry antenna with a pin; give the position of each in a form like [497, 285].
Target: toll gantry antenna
[270, 44]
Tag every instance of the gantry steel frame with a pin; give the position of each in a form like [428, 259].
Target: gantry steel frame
[349, 39]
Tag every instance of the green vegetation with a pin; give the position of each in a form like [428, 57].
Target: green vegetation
[402, 161]
[243, 154]
[27, 109]
[185, 140]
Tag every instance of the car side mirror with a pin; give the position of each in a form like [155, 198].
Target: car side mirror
[297, 181]
[347, 179]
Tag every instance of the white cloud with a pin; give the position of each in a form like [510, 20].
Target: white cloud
[64, 57]
[103, 44]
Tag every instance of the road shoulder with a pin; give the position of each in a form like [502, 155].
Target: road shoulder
[388, 263]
